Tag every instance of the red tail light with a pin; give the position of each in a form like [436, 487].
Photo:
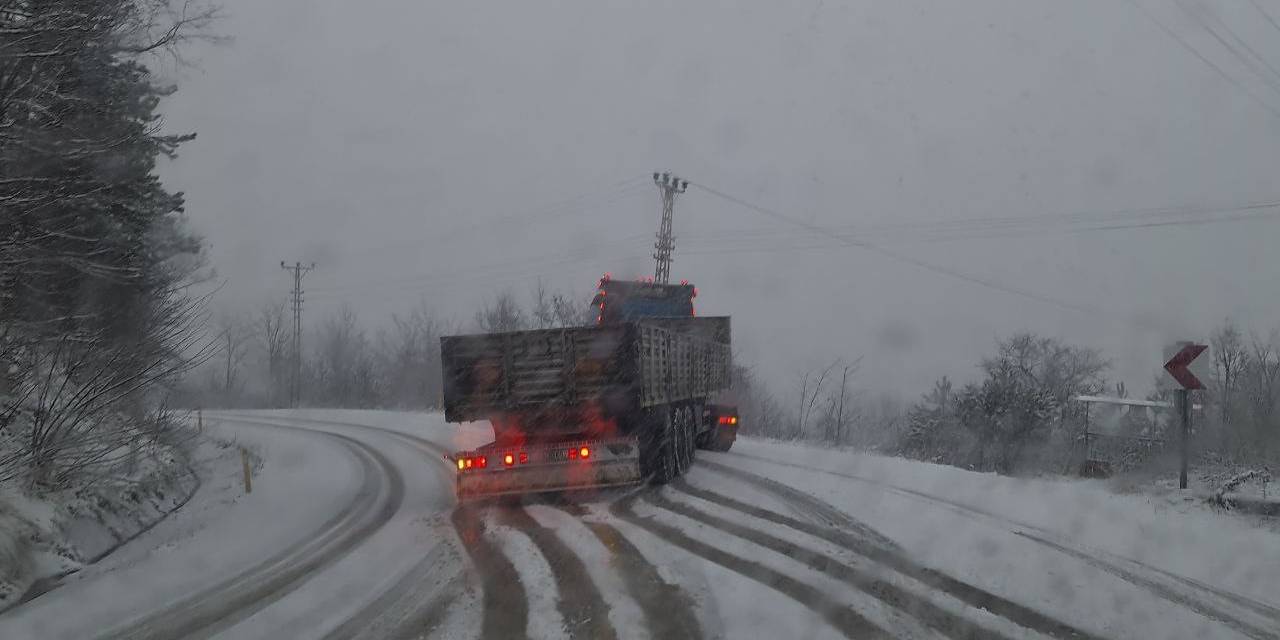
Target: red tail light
[728, 420]
[481, 462]
[573, 454]
[524, 457]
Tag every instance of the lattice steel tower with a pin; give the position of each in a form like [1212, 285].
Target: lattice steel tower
[670, 186]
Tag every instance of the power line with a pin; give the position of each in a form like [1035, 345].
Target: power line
[1208, 63]
[853, 242]
[969, 228]
[1014, 227]
[418, 279]
[1271, 80]
[771, 246]
[562, 208]
[1265, 14]
[423, 280]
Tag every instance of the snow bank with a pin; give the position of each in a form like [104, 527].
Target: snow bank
[17, 567]
[1186, 537]
[46, 536]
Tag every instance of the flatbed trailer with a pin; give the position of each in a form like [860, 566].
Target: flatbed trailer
[582, 407]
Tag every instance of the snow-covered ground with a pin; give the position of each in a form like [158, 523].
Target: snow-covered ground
[352, 531]
[1192, 540]
[46, 537]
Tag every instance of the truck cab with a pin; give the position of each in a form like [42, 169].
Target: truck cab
[618, 301]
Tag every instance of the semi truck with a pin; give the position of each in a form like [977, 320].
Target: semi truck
[625, 400]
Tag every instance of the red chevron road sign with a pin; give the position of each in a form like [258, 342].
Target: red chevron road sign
[1179, 365]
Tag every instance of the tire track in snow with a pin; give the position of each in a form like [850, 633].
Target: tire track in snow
[837, 614]
[242, 595]
[917, 606]
[1260, 608]
[584, 610]
[506, 610]
[817, 509]
[895, 559]
[502, 592]
[429, 613]
[1200, 605]
[668, 611]
[424, 623]
[1162, 590]
[581, 605]
[403, 597]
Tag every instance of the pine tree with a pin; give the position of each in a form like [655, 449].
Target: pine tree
[93, 249]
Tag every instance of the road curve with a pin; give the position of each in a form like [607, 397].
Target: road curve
[229, 601]
[635, 563]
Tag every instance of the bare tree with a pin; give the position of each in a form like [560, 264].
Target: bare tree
[544, 315]
[804, 397]
[1261, 386]
[504, 314]
[759, 412]
[558, 309]
[1229, 355]
[570, 312]
[84, 396]
[410, 359]
[839, 426]
[234, 337]
[809, 396]
[273, 338]
[345, 370]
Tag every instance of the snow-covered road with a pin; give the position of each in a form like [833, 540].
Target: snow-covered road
[352, 532]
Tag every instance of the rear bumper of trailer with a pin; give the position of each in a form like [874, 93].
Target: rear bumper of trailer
[579, 464]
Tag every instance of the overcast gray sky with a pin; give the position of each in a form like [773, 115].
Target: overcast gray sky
[449, 150]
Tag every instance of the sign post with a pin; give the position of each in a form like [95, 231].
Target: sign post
[1185, 396]
[1178, 359]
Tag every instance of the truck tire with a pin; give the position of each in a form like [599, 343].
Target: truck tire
[684, 431]
[695, 429]
[662, 449]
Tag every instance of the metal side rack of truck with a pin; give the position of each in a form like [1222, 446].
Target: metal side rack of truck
[628, 399]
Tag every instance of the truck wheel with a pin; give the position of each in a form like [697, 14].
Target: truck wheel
[684, 427]
[695, 431]
[663, 454]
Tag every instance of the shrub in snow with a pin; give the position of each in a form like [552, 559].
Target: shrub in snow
[1262, 476]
